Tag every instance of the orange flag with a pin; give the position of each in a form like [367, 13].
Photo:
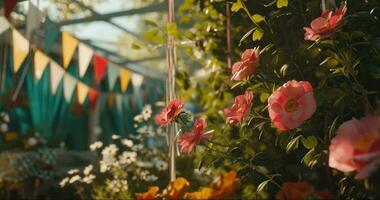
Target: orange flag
[82, 91]
[40, 63]
[125, 77]
[69, 44]
[20, 49]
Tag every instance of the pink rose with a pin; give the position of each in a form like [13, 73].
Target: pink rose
[187, 141]
[325, 25]
[247, 65]
[169, 113]
[291, 104]
[356, 147]
[239, 109]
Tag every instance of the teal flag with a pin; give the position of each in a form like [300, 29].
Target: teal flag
[113, 72]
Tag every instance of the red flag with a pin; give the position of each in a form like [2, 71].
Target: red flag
[100, 65]
[9, 5]
[93, 97]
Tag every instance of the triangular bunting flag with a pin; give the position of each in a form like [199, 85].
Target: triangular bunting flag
[82, 91]
[33, 19]
[137, 80]
[112, 73]
[93, 97]
[119, 102]
[110, 100]
[40, 63]
[125, 76]
[84, 56]
[9, 5]
[100, 65]
[69, 83]
[4, 24]
[20, 49]
[56, 74]
[69, 44]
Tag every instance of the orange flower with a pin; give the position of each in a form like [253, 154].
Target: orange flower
[10, 136]
[203, 193]
[176, 189]
[226, 186]
[301, 190]
[150, 194]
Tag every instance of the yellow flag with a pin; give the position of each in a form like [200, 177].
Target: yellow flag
[40, 63]
[20, 49]
[69, 44]
[125, 77]
[82, 91]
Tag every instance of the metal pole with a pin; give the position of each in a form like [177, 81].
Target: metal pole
[170, 89]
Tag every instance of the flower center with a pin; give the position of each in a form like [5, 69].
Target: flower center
[291, 105]
[364, 142]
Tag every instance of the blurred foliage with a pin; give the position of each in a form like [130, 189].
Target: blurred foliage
[343, 70]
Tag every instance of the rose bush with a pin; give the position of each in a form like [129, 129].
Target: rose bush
[310, 82]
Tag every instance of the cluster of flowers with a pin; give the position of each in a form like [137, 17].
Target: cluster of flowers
[357, 144]
[123, 161]
[221, 188]
[188, 139]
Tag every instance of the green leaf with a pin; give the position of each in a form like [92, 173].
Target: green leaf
[308, 157]
[246, 35]
[257, 35]
[309, 142]
[282, 3]
[262, 186]
[374, 70]
[264, 97]
[172, 29]
[293, 144]
[150, 23]
[237, 6]
[135, 46]
[257, 18]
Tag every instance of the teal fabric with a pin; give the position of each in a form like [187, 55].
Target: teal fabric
[37, 110]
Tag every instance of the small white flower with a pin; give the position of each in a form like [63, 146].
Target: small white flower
[151, 178]
[88, 179]
[73, 171]
[138, 118]
[6, 118]
[137, 147]
[87, 170]
[127, 142]
[128, 157]
[146, 112]
[115, 137]
[64, 182]
[74, 179]
[110, 150]
[96, 145]
[32, 141]
[4, 127]
[144, 164]
[161, 165]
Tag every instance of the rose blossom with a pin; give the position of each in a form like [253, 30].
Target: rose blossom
[187, 141]
[240, 108]
[169, 113]
[356, 147]
[291, 104]
[326, 24]
[249, 61]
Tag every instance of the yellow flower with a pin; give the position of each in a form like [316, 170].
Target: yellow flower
[176, 189]
[203, 193]
[150, 194]
[226, 186]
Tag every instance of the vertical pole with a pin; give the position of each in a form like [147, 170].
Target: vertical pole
[228, 33]
[170, 89]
